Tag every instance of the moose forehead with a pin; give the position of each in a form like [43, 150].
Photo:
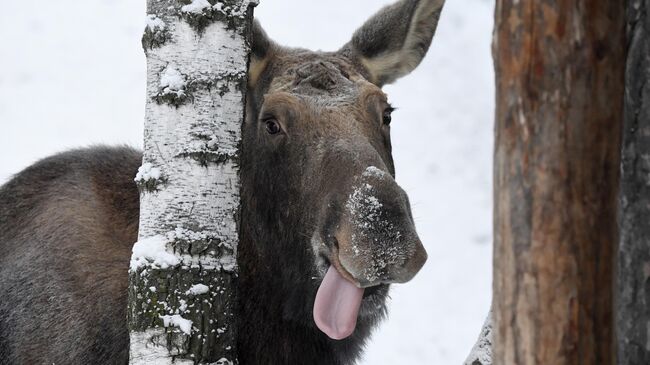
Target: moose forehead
[319, 80]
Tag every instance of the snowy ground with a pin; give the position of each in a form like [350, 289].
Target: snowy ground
[72, 73]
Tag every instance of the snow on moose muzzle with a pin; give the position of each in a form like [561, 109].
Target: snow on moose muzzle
[377, 244]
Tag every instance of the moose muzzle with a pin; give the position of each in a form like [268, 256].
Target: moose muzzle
[376, 244]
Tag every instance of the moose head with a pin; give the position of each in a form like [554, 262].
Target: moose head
[323, 218]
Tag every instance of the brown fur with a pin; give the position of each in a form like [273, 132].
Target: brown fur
[83, 196]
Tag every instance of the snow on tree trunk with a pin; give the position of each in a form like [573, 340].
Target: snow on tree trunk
[481, 353]
[560, 85]
[183, 269]
[633, 306]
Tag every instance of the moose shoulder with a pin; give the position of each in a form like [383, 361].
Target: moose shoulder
[325, 229]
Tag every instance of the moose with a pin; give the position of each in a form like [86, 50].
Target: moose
[325, 229]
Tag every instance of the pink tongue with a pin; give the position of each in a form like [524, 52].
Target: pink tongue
[337, 305]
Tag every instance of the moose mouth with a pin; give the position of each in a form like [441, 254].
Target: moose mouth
[339, 300]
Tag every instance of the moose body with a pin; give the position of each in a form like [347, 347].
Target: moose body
[322, 217]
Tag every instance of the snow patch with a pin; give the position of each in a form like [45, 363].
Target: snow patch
[176, 320]
[196, 6]
[153, 251]
[239, 12]
[364, 205]
[198, 289]
[182, 234]
[202, 6]
[153, 23]
[172, 82]
[182, 308]
[213, 143]
[147, 172]
[374, 172]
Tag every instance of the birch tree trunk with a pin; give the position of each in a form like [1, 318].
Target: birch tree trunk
[560, 76]
[481, 353]
[182, 278]
[633, 307]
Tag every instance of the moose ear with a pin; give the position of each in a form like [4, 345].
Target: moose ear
[394, 41]
[261, 48]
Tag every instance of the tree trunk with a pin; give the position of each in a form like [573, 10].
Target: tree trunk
[182, 278]
[481, 353]
[633, 307]
[560, 76]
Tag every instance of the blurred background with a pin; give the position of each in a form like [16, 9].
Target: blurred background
[72, 73]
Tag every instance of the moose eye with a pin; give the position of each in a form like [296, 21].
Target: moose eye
[387, 116]
[272, 126]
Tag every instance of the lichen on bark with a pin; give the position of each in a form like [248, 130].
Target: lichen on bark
[211, 314]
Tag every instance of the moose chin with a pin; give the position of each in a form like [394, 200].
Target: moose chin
[325, 229]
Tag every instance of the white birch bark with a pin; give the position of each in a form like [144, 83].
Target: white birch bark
[481, 353]
[181, 279]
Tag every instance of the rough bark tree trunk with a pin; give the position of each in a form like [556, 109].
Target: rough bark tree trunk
[560, 77]
[633, 306]
[183, 268]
